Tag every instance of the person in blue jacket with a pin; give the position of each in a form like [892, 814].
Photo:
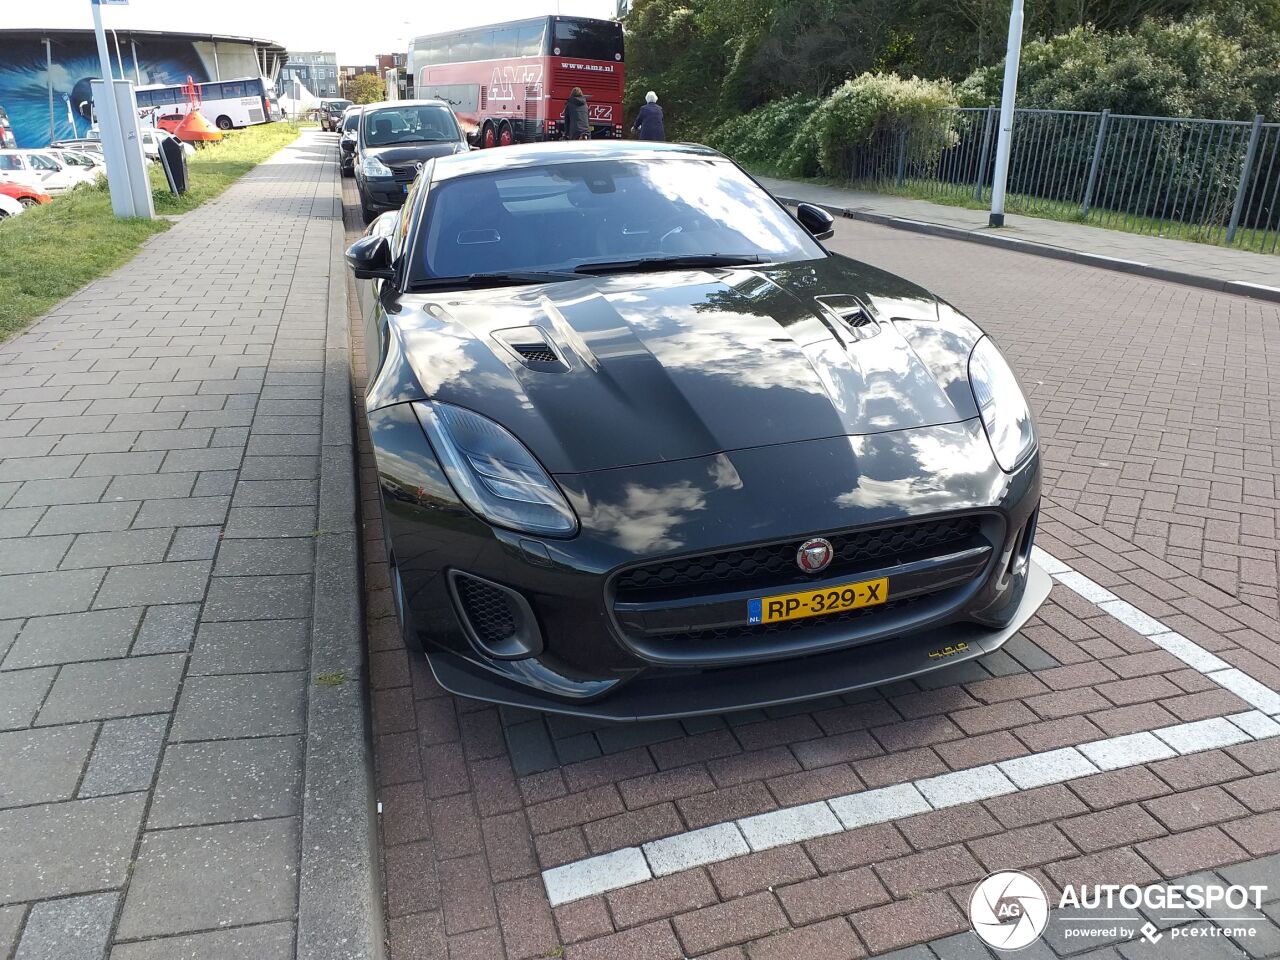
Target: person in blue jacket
[648, 125]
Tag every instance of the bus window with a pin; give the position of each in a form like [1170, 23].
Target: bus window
[505, 43]
[588, 39]
[530, 36]
[233, 90]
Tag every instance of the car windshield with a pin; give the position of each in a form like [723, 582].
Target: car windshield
[409, 124]
[350, 122]
[593, 214]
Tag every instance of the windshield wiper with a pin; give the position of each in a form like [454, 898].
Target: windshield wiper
[671, 263]
[502, 279]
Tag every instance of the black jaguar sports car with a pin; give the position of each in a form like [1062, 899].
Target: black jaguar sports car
[647, 449]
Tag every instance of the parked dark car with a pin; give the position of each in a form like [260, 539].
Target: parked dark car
[648, 449]
[330, 112]
[348, 131]
[392, 143]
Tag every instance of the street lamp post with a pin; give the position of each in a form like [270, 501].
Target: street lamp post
[1005, 142]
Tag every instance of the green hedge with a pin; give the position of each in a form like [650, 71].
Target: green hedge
[806, 137]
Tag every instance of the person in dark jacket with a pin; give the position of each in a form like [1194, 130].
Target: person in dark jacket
[576, 125]
[648, 125]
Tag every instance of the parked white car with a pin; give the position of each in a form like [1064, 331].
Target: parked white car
[152, 137]
[38, 168]
[9, 207]
[92, 162]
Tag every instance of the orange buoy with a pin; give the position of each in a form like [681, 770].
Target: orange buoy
[194, 128]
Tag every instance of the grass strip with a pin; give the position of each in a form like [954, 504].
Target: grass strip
[51, 251]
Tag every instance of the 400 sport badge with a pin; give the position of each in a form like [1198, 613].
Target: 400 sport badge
[1008, 910]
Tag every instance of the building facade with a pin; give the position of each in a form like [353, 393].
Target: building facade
[45, 74]
[316, 70]
[349, 73]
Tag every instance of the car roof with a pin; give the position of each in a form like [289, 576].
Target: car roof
[405, 103]
[573, 151]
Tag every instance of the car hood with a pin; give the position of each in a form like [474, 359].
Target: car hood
[400, 153]
[667, 366]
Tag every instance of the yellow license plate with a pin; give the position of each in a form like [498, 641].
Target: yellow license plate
[815, 603]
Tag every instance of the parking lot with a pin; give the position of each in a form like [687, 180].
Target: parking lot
[1122, 737]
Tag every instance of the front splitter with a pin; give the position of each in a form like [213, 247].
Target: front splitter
[758, 685]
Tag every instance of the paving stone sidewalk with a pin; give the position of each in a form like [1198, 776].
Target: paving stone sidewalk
[162, 494]
[1202, 264]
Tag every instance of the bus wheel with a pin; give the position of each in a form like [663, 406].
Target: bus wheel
[223, 122]
[505, 136]
[487, 136]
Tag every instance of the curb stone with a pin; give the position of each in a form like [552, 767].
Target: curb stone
[1256, 290]
[339, 900]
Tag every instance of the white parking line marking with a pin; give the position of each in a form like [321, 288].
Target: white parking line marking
[724, 841]
[789, 825]
[879, 806]
[708, 845]
[1248, 689]
[584, 878]
[965, 786]
[1052, 766]
[1256, 724]
[1127, 751]
[1082, 585]
[1189, 652]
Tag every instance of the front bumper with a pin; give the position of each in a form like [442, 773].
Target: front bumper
[586, 646]
[661, 696]
[384, 193]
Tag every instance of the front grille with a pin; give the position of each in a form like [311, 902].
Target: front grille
[773, 564]
[488, 609]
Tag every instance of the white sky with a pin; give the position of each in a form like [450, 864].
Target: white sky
[355, 30]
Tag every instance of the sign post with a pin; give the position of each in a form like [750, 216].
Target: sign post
[1004, 143]
[128, 182]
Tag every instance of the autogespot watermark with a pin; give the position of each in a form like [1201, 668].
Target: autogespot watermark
[1010, 910]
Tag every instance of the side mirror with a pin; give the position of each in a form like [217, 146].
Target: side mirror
[370, 258]
[347, 145]
[816, 220]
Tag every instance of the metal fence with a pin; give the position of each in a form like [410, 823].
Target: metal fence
[1211, 180]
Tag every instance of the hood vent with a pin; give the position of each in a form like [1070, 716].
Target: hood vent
[851, 314]
[533, 348]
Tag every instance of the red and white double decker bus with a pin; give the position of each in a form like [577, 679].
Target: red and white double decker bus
[508, 82]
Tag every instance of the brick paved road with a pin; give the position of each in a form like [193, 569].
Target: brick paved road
[1148, 494]
[160, 440]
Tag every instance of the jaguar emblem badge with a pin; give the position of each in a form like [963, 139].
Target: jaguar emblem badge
[815, 555]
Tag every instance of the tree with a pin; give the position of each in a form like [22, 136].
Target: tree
[366, 88]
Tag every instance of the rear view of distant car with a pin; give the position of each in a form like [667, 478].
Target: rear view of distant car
[348, 131]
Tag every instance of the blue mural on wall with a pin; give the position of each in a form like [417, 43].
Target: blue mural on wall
[25, 96]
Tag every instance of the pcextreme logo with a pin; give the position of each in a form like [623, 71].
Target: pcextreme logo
[1010, 910]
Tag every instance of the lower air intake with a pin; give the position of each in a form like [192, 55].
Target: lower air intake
[498, 620]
